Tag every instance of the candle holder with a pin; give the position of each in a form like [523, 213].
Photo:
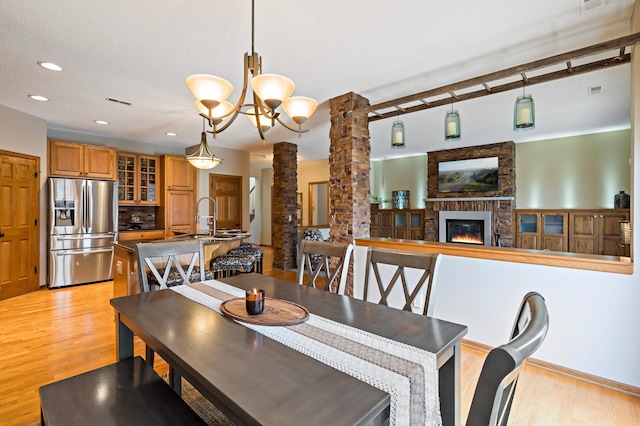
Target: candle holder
[255, 301]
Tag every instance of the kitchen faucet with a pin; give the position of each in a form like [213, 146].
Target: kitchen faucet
[213, 218]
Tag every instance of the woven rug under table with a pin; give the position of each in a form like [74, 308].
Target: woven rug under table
[201, 405]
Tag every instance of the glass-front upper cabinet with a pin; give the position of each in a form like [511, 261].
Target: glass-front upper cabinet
[137, 179]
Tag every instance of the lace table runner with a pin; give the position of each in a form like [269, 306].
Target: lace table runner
[408, 374]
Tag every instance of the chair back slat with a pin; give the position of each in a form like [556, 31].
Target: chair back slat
[166, 256]
[493, 397]
[332, 263]
[401, 260]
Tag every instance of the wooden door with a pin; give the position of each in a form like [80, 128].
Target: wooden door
[227, 191]
[19, 243]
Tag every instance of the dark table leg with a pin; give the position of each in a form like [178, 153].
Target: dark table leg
[124, 340]
[175, 380]
[449, 378]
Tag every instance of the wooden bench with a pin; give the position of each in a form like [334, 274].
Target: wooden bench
[128, 392]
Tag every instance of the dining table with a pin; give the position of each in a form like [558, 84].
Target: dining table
[254, 379]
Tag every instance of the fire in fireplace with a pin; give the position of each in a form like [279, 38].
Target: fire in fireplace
[468, 227]
[465, 231]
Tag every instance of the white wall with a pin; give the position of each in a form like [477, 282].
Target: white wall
[26, 134]
[399, 174]
[584, 171]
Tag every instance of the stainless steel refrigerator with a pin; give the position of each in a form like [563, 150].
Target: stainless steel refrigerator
[82, 225]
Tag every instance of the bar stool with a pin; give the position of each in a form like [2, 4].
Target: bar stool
[247, 248]
[230, 265]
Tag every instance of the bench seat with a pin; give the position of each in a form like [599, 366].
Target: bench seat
[128, 392]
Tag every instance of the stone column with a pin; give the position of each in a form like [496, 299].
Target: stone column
[349, 167]
[283, 205]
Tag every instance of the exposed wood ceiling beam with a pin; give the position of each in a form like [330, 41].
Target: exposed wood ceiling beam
[401, 106]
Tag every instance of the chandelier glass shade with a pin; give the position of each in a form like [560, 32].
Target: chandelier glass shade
[203, 158]
[269, 92]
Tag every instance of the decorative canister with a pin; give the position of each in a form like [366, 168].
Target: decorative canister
[621, 200]
[400, 199]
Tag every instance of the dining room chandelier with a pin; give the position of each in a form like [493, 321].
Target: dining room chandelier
[269, 92]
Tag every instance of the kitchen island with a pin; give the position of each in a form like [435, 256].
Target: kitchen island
[125, 265]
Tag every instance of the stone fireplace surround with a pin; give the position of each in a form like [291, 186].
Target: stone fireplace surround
[500, 203]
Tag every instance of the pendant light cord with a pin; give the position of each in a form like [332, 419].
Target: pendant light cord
[252, 24]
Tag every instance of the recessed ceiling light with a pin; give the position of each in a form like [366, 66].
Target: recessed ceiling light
[170, 134]
[101, 121]
[50, 66]
[38, 98]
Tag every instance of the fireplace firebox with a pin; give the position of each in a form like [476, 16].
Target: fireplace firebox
[467, 227]
[465, 231]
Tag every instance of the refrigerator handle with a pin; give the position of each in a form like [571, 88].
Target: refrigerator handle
[88, 209]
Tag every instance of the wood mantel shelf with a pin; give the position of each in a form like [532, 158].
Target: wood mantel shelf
[435, 200]
[613, 264]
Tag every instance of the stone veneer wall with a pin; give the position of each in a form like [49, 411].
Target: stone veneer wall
[502, 210]
[284, 205]
[349, 168]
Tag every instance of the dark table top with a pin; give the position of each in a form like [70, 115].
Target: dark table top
[260, 380]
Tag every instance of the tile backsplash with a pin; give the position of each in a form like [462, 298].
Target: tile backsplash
[136, 217]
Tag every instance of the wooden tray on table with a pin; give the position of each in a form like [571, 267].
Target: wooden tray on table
[276, 312]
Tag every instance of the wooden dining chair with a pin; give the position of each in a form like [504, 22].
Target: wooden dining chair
[165, 264]
[315, 260]
[491, 403]
[420, 294]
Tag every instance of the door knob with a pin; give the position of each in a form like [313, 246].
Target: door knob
[1, 234]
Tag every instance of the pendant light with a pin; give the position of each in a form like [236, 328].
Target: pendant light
[397, 135]
[452, 130]
[202, 158]
[524, 113]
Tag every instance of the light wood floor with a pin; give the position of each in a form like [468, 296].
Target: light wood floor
[49, 335]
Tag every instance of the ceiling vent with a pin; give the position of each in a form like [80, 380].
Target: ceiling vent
[589, 5]
[595, 90]
[118, 101]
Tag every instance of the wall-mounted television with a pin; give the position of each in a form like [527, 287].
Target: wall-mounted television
[473, 175]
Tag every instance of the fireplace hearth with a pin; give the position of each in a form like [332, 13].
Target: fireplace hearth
[465, 227]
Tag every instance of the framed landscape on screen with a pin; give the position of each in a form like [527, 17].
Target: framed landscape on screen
[472, 175]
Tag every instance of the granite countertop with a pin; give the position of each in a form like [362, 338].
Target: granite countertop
[206, 239]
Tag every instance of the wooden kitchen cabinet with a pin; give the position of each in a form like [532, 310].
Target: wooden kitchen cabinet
[596, 231]
[178, 173]
[576, 231]
[72, 159]
[178, 202]
[404, 224]
[141, 234]
[542, 229]
[409, 224]
[381, 223]
[138, 176]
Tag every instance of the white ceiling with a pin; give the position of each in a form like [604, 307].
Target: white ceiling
[142, 51]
